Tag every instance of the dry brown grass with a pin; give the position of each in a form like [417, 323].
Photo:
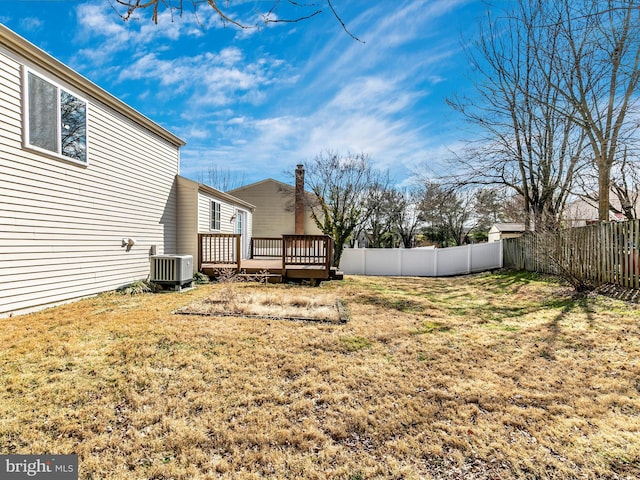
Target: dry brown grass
[490, 376]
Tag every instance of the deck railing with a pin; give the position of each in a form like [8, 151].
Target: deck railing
[219, 248]
[309, 250]
[262, 247]
[302, 252]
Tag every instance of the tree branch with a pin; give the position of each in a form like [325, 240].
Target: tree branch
[132, 6]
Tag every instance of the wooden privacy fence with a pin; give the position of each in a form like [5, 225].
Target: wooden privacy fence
[595, 254]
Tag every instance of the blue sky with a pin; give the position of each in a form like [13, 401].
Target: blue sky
[259, 101]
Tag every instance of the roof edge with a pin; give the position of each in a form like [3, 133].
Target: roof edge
[267, 180]
[22, 47]
[251, 185]
[219, 193]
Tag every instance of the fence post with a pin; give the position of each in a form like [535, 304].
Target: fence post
[364, 261]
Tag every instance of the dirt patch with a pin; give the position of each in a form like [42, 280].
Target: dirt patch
[325, 307]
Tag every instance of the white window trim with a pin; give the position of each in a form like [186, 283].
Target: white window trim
[212, 220]
[245, 218]
[25, 118]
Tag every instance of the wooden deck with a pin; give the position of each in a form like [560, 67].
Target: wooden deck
[292, 257]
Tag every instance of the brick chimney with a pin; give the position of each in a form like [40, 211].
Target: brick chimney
[299, 201]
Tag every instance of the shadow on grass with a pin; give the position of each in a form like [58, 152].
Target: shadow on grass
[620, 293]
[483, 300]
[497, 306]
[392, 302]
[577, 301]
[512, 281]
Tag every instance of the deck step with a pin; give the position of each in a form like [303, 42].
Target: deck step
[337, 275]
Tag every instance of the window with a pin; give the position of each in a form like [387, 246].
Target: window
[215, 215]
[56, 119]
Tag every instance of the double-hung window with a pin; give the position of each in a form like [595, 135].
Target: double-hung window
[56, 119]
[215, 215]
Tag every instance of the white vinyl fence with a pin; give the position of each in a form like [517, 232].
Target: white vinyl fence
[422, 262]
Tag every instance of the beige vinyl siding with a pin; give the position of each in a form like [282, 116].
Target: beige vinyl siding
[274, 214]
[271, 217]
[62, 224]
[10, 104]
[204, 214]
[194, 215]
[226, 212]
[187, 235]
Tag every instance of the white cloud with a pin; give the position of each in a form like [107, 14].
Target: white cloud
[110, 34]
[344, 95]
[31, 23]
[213, 79]
[195, 132]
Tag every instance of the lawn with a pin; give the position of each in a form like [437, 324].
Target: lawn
[481, 377]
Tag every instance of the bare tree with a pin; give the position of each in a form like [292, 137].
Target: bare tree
[624, 186]
[223, 9]
[341, 185]
[392, 217]
[598, 76]
[530, 143]
[448, 212]
[405, 216]
[490, 207]
[224, 179]
[377, 228]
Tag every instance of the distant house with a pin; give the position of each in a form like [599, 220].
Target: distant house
[89, 186]
[580, 212]
[275, 207]
[203, 209]
[501, 231]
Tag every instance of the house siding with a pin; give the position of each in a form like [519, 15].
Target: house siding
[226, 212]
[274, 214]
[187, 234]
[204, 214]
[61, 223]
[194, 214]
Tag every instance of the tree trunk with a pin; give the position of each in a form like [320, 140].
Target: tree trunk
[338, 248]
[604, 183]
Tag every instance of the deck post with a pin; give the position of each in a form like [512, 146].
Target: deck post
[199, 252]
[284, 255]
[329, 249]
[238, 253]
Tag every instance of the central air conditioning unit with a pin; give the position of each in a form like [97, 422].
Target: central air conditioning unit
[172, 270]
